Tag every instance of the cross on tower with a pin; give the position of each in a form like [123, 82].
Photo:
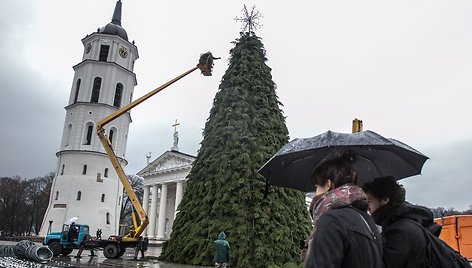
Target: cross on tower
[250, 19]
[175, 125]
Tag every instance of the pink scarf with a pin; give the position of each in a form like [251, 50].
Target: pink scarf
[339, 197]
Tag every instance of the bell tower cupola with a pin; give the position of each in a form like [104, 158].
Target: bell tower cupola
[114, 27]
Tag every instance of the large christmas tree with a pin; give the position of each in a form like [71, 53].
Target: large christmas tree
[224, 191]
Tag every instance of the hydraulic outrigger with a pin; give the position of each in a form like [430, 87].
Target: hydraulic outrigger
[132, 238]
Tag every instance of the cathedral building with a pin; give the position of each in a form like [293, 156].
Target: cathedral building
[86, 187]
[165, 179]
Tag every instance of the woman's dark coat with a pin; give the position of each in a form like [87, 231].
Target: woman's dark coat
[343, 240]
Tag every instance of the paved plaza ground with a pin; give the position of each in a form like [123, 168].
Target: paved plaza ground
[100, 261]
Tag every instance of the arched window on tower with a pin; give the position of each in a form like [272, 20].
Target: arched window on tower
[108, 218]
[67, 137]
[77, 88]
[103, 197]
[88, 134]
[118, 93]
[103, 52]
[62, 169]
[79, 195]
[84, 170]
[57, 195]
[97, 83]
[111, 135]
[126, 141]
[106, 173]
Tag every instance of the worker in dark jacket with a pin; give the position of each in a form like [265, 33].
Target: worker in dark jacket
[221, 251]
[344, 235]
[403, 241]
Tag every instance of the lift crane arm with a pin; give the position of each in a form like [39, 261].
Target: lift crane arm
[205, 65]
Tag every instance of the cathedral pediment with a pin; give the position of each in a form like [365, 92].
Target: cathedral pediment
[169, 161]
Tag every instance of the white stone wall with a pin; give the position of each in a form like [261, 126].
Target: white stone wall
[80, 114]
[90, 209]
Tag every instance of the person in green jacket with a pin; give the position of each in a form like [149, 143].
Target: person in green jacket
[221, 251]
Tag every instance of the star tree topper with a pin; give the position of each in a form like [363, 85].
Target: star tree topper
[250, 19]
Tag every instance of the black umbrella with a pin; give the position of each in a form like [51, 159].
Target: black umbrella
[293, 165]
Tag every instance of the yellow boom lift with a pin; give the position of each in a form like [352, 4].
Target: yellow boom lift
[115, 246]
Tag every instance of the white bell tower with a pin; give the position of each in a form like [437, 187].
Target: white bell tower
[86, 185]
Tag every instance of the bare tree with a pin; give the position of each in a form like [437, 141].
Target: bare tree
[23, 203]
[440, 212]
[38, 190]
[12, 205]
[126, 206]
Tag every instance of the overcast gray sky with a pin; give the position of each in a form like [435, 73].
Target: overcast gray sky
[403, 67]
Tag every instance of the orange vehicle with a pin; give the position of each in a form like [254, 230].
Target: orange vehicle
[457, 233]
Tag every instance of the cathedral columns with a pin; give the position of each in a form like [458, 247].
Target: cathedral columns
[152, 216]
[178, 195]
[166, 178]
[157, 227]
[162, 213]
[146, 204]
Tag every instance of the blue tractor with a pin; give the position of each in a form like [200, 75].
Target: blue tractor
[71, 237]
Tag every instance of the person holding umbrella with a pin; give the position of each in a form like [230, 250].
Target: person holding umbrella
[403, 240]
[343, 235]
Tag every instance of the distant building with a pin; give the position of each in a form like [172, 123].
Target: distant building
[86, 185]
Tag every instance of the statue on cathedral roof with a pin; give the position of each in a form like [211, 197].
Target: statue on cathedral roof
[175, 147]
